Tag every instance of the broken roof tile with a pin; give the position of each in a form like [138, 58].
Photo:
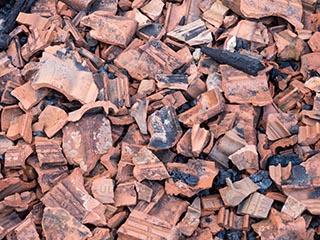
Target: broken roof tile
[293, 207]
[208, 105]
[49, 152]
[16, 156]
[5, 143]
[71, 195]
[21, 127]
[153, 9]
[280, 125]
[9, 219]
[67, 76]
[125, 194]
[102, 189]
[83, 143]
[215, 14]
[191, 220]
[139, 112]
[309, 134]
[25, 230]
[199, 139]
[172, 81]
[53, 220]
[236, 192]
[144, 192]
[240, 87]
[229, 220]
[164, 128]
[114, 30]
[245, 158]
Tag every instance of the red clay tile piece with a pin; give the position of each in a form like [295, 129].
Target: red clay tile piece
[280, 125]
[16, 156]
[11, 185]
[8, 114]
[48, 175]
[69, 27]
[236, 192]
[153, 9]
[84, 143]
[215, 14]
[53, 119]
[172, 81]
[164, 128]
[21, 127]
[147, 87]
[5, 143]
[116, 220]
[281, 226]
[78, 5]
[246, 158]
[313, 84]
[308, 63]
[314, 42]
[208, 105]
[55, 217]
[71, 195]
[309, 134]
[139, 112]
[27, 96]
[125, 194]
[199, 139]
[191, 220]
[229, 220]
[191, 178]
[117, 91]
[66, 77]
[202, 233]
[148, 166]
[211, 223]
[144, 192]
[256, 206]
[283, 143]
[211, 203]
[289, 45]
[9, 219]
[292, 207]
[291, 11]
[49, 152]
[184, 146]
[20, 202]
[114, 30]
[183, 33]
[102, 189]
[240, 87]
[100, 234]
[24, 231]
[77, 114]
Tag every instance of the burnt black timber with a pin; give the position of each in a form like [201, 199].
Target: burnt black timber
[10, 20]
[239, 61]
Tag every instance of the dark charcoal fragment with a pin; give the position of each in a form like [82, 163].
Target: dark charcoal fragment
[239, 61]
[307, 107]
[251, 235]
[284, 159]
[262, 180]
[189, 179]
[294, 129]
[38, 134]
[242, 44]
[220, 179]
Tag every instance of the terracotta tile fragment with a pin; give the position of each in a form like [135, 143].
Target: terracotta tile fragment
[309, 62]
[293, 207]
[69, 27]
[229, 220]
[246, 157]
[211, 223]
[279, 226]
[172, 81]
[184, 146]
[144, 192]
[314, 42]
[147, 87]
[153, 9]
[8, 114]
[65, 77]
[164, 128]
[5, 143]
[84, 143]
[291, 11]
[9, 219]
[191, 220]
[20, 202]
[100, 234]
[24, 231]
[70, 195]
[211, 203]
[55, 217]
[194, 33]
[48, 175]
[208, 105]
[240, 87]
[215, 14]
[15, 156]
[289, 45]
[116, 220]
[313, 84]
[49, 152]
[199, 139]
[122, 28]
[236, 192]
[139, 112]
[11, 185]
[191, 178]
[77, 114]
[21, 128]
[117, 91]
[280, 125]
[125, 194]
[256, 206]
[102, 189]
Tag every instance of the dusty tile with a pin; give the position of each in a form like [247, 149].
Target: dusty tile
[9, 219]
[5, 143]
[20, 202]
[191, 220]
[53, 220]
[256, 206]
[280, 125]
[49, 152]
[144, 192]
[164, 128]
[102, 189]
[191, 178]
[16, 156]
[71, 195]
[11, 185]
[184, 146]
[64, 77]
[240, 87]
[153, 9]
[53, 119]
[293, 207]
[100, 234]
[84, 143]
[125, 194]
[139, 112]
[117, 91]
[313, 84]
[291, 11]
[309, 134]
[114, 30]
[148, 166]
[211, 223]
[246, 157]
[215, 14]
[21, 127]
[24, 231]
[208, 105]
[229, 220]
[236, 192]
[172, 81]
[147, 87]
